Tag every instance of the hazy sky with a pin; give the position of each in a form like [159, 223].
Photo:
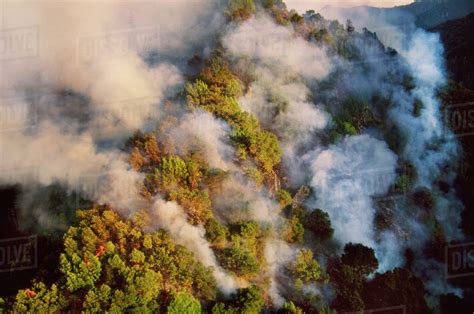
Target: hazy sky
[303, 5]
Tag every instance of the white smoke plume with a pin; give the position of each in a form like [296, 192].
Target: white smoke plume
[427, 143]
[425, 58]
[279, 96]
[122, 92]
[104, 69]
[281, 104]
[169, 216]
[240, 199]
[264, 41]
[277, 254]
[200, 132]
[100, 71]
[345, 178]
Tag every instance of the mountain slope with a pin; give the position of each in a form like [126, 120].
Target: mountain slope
[458, 43]
[423, 14]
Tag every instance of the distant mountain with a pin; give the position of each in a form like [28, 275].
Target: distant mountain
[425, 14]
[458, 41]
[431, 13]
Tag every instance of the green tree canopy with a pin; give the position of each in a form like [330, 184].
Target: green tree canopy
[360, 258]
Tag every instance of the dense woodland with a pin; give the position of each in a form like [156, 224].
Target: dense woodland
[106, 262]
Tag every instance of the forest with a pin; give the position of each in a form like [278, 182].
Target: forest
[290, 164]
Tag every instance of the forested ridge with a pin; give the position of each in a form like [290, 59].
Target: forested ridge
[248, 232]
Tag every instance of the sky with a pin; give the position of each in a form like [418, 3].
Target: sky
[303, 5]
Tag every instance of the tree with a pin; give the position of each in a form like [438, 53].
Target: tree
[238, 260]
[222, 308]
[295, 17]
[394, 288]
[173, 170]
[136, 159]
[216, 232]
[284, 198]
[320, 224]
[241, 10]
[216, 90]
[349, 274]
[109, 264]
[349, 284]
[436, 246]
[349, 27]
[268, 150]
[39, 299]
[360, 258]
[290, 308]
[305, 268]
[184, 303]
[196, 203]
[294, 231]
[250, 300]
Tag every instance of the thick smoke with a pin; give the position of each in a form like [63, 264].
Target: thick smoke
[426, 142]
[117, 91]
[169, 216]
[102, 70]
[430, 145]
[346, 177]
[279, 96]
[277, 254]
[264, 41]
[239, 199]
[353, 177]
[200, 132]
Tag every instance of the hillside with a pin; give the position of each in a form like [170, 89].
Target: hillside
[458, 42]
[425, 14]
[231, 157]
